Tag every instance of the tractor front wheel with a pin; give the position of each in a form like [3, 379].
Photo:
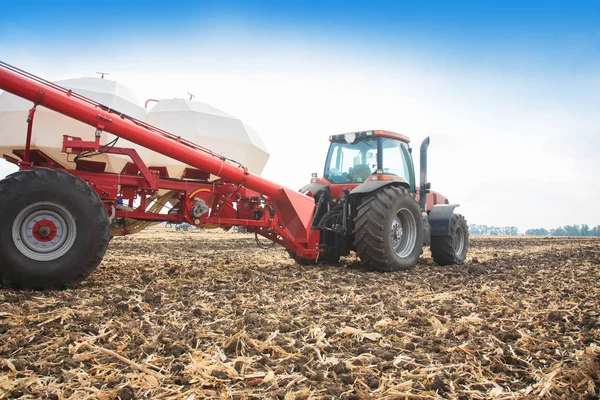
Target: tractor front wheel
[388, 232]
[452, 248]
[54, 229]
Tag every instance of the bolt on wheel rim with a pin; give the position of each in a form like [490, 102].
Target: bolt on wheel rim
[44, 231]
[404, 232]
[458, 241]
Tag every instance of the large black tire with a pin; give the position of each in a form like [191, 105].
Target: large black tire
[388, 231]
[452, 249]
[54, 230]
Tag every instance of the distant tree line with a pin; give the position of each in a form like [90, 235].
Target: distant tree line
[567, 230]
[493, 230]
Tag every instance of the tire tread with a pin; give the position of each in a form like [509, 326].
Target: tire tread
[370, 228]
[442, 247]
[16, 182]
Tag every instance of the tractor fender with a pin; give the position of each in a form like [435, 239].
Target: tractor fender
[371, 186]
[313, 187]
[439, 219]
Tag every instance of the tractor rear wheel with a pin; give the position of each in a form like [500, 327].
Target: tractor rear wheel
[54, 229]
[388, 232]
[452, 248]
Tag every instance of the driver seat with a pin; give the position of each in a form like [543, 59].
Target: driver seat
[361, 173]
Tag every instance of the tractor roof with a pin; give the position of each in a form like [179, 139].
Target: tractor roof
[392, 135]
[360, 134]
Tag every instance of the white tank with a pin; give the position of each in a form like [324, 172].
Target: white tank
[49, 126]
[211, 128]
[194, 121]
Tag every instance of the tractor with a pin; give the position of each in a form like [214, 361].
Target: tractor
[368, 201]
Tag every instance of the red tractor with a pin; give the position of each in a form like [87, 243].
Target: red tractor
[368, 201]
[57, 217]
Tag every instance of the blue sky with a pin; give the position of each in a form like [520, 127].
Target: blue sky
[508, 91]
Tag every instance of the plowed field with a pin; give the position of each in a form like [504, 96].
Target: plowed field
[210, 315]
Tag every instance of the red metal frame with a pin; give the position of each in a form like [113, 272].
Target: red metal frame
[237, 198]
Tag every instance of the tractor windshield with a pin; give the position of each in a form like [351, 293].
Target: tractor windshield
[351, 162]
[355, 162]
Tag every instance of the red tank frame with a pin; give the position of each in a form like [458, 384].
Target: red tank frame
[238, 198]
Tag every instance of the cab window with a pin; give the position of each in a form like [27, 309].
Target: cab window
[397, 159]
[351, 162]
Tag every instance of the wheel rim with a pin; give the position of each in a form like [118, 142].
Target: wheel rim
[459, 241]
[44, 231]
[404, 232]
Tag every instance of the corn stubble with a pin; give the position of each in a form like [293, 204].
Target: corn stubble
[208, 315]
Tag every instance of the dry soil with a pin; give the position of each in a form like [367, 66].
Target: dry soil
[171, 315]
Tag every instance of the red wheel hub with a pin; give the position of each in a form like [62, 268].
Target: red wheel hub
[44, 230]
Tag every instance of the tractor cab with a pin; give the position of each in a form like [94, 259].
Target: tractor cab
[363, 162]
[358, 157]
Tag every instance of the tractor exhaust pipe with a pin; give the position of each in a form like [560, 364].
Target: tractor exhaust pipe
[424, 186]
